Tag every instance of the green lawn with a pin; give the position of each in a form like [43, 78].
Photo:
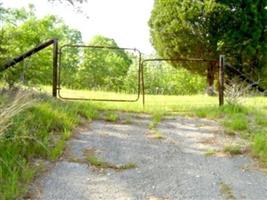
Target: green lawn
[152, 102]
[163, 103]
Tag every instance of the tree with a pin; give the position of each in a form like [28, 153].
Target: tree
[30, 31]
[204, 29]
[245, 42]
[10, 17]
[104, 68]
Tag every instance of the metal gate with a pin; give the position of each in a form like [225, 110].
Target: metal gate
[220, 62]
[109, 48]
[57, 66]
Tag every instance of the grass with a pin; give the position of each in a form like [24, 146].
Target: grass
[155, 134]
[236, 122]
[95, 161]
[36, 131]
[210, 152]
[156, 118]
[98, 163]
[111, 116]
[233, 149]
[226, 191]
[259, 145]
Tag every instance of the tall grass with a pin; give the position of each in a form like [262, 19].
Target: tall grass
[33, 130]
[11, 109]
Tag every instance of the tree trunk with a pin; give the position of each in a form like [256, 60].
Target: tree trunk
[210, 78]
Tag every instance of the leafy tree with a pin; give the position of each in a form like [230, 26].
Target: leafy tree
[197, 28]
[25, 34]
[12, 17]
[245, 40]
[161, 78]
[104, 68]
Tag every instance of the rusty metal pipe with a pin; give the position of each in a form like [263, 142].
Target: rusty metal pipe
[27, 54]
[34, 50]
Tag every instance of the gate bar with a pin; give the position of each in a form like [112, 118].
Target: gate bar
[100, 47]
[34, 50]
[169, 59]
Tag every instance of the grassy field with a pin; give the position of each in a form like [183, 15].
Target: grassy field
[157, 103]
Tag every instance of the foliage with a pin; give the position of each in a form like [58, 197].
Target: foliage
[7, 112]
[245, 41]
[98, 163]
[235, 91]
[36, 132]
[102, 67]
[233, 149]
[111, 117]
[161, 78]
[27, 31]
[156, 118]
[181, 29]
[259, 145]
[204, 29]
[90, 68]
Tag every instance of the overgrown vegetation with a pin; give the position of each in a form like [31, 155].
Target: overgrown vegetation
[98, 163]
[35, 131]
[246, 121]
[111, 116]
[233, 149]
[156, 118]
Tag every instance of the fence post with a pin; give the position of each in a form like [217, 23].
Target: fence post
[55, 68]
[143, 83]
[221, 79]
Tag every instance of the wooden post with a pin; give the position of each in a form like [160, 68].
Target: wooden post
[221, 79]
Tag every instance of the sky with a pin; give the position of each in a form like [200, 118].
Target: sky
[126, 21]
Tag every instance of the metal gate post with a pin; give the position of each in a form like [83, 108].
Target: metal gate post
[55, 68]
[221, 79]
[143, 83]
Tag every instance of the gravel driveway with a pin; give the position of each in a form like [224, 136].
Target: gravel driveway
[173, 166]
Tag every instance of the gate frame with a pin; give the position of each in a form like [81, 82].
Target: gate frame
[220, 63]
[139, 73]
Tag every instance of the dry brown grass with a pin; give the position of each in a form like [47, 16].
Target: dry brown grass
[20, 101]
